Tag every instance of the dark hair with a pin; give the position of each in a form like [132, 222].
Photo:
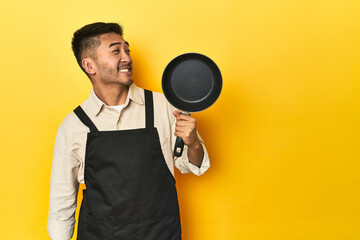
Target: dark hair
[86, 38]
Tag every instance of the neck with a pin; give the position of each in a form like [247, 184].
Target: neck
[112, 94]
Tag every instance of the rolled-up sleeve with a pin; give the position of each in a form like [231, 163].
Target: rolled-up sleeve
[63, 190]
[185, 166]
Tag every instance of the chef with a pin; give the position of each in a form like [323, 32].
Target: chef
[119, 142]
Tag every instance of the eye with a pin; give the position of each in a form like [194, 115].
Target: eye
[116, 51]
[127, 51]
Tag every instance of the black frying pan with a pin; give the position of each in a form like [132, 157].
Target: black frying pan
[191, 82]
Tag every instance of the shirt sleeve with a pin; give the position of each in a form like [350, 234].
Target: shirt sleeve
[63, 190]
[185, 166]
[182, 163]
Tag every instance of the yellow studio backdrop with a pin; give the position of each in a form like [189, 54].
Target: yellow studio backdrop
[283, 137]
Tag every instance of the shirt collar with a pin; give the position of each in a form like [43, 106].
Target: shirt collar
[134, 94]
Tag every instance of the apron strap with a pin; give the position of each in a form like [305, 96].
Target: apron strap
[149, 109]
[149, 113]
[85, 119]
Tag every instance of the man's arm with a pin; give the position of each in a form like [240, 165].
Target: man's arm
[186, 129]
[63, 190]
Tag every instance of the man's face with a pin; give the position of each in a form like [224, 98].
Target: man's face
[113, 61]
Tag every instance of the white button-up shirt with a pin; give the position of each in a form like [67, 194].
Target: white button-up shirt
[68, 160]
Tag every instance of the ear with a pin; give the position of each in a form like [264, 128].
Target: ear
[89, 65]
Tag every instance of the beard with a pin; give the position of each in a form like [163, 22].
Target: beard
[114, 76]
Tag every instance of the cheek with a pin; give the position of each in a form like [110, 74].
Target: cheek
[110, 66]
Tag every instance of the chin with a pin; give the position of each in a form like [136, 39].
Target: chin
[129, 82]
[124, 81]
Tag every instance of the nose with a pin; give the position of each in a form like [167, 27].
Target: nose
[125, 57]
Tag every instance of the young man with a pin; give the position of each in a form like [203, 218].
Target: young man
[119, 142]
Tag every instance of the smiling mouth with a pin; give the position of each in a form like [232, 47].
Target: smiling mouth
[124, 69]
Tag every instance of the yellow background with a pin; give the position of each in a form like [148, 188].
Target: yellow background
[283, 137]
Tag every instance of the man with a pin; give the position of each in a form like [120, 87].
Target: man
[119, 142]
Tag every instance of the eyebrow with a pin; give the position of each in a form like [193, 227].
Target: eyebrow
[117, 43]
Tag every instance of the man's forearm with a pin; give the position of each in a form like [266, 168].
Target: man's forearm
[196, 153]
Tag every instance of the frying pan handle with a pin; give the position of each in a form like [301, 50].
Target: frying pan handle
[179, 147]
[179, 143]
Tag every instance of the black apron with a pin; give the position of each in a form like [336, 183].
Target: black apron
[130, 192]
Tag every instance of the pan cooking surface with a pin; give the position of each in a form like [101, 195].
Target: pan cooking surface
[188, 82]
[192, 82]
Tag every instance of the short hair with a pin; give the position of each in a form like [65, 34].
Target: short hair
[86, 40]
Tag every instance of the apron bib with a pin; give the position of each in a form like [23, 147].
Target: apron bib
[130, 192]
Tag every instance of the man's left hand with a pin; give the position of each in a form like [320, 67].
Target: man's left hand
[186, 129]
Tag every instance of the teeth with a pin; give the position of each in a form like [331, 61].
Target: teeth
[124, 70]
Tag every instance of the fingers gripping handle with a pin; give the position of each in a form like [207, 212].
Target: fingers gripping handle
[179, 144]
